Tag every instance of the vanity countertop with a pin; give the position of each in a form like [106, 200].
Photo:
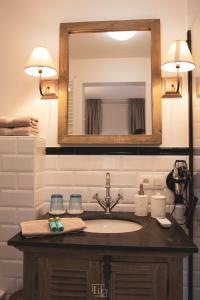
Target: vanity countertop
[151, 237]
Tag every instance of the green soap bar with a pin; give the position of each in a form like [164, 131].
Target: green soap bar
[53, 226]
[60, 226]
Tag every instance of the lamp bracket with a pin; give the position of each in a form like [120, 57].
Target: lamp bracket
[49, 89]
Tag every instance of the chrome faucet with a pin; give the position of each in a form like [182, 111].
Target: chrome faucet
[107, 204]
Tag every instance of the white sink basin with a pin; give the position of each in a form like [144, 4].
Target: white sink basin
[111, 226]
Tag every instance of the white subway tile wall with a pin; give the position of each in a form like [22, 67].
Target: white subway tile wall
[22, 161]
[27, 183]
[86, 175]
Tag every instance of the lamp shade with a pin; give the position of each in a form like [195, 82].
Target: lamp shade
[178, 56]
[40, 63]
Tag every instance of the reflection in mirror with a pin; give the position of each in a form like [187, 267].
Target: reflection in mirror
[109, 91]
[114, 108]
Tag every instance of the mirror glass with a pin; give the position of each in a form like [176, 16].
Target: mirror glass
[109, 84]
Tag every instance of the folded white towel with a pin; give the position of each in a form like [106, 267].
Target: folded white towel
[23, 122]
[5, 131]
[4, 122]
[29, 121]
[21, 131]
[25, 131]
[41, 227]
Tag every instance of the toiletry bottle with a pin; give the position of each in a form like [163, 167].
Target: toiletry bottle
[141, 203]
[158, 206]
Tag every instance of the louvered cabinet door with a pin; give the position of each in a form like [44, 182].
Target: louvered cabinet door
[67, 280]
[138, 281]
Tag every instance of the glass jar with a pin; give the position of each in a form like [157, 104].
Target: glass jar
[75, 204]
[56, 205]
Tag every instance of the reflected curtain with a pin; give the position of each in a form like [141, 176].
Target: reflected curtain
[136, 115]
[93, 116]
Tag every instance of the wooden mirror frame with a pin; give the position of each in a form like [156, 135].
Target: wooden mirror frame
[152, 25]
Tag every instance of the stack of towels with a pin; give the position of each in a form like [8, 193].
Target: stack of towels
[24, 126]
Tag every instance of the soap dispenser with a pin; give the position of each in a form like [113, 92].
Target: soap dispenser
[141, 203]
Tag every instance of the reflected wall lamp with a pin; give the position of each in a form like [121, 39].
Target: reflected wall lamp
[40, 65]
[178, 59]
[121, 35]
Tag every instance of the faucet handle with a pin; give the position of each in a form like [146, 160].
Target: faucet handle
[107, 179]
[114, 202]
[120, 196]
[95, 196]
[101, 202]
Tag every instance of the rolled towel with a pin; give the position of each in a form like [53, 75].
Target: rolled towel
[41, 227]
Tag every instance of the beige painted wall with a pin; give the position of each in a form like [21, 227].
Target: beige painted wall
[27, 23]
[193, 8]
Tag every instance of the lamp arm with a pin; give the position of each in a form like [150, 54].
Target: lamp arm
[178, 79]
[40, 83]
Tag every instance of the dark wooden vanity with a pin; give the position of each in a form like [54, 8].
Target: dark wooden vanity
[142, 265]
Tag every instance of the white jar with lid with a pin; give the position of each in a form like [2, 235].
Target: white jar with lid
[158, 206]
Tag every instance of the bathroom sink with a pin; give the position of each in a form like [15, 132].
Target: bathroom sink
[111, 226]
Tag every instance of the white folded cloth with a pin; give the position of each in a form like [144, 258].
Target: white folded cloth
[41, 227]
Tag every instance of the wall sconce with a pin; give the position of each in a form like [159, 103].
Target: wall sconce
[40, 65]
[178, 59]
